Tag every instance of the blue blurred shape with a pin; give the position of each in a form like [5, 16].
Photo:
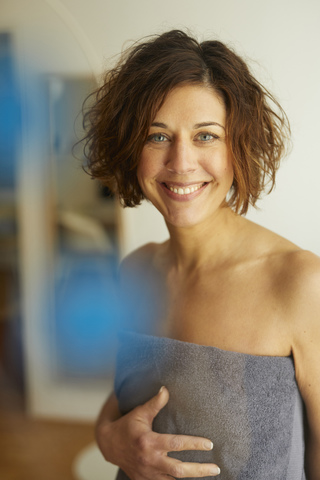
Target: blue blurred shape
[10, 113]
[87, 318]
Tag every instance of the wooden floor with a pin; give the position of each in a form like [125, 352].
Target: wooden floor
[36, 449]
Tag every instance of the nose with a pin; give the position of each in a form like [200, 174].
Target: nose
[181, 158]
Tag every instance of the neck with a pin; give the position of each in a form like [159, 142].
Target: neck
[209, 243]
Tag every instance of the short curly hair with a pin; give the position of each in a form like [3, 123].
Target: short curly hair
[123, 108]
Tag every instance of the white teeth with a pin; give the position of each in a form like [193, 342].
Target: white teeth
[185, 191]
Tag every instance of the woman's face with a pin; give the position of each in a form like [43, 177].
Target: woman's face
[185, 168]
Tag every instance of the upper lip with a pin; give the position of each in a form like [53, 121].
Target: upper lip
[183, 184]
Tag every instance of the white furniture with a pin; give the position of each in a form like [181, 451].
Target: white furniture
[90, 465]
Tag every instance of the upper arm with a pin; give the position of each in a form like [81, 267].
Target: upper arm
[307, 364]
[137, 281]
[306, 352]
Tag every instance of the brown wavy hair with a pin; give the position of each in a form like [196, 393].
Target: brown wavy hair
[123, 108]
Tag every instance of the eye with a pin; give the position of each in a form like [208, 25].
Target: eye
[207, 137]
[157, 138]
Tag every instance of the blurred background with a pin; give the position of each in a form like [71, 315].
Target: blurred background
[62, 235]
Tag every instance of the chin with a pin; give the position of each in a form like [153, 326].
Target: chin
[183, 222]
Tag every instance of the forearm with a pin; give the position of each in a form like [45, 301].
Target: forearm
[312, 459]
[110, 410]
[109, 413]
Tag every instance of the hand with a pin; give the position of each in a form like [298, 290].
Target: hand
[130, 443]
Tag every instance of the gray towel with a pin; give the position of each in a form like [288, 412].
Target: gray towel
[248, 405]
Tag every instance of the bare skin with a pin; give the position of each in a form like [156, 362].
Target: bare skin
[250, 290]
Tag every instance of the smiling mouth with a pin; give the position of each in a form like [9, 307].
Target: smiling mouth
[184, 190]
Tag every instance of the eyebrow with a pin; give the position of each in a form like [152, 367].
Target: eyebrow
[207, 124]
[196, 126]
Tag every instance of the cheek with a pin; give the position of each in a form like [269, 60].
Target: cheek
[229, 170]
[144, 174]
[148, 169]
[221, 168]
[229, 166]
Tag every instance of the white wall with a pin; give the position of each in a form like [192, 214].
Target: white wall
[282, 38]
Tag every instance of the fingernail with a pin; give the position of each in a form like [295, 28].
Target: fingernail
[161, 389]
[215, 471]
[208, 445]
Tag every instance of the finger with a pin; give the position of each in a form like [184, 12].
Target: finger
[163, 476]
[178, 469]
[177, 443]
[151, 408]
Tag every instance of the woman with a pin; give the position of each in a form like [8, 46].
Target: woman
[225, 314]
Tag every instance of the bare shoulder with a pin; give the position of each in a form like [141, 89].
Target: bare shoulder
[139, 257]
[305, 262]
[298, 269]
[146, 256]
[301, 274]
[294, 279]
[298, 287]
